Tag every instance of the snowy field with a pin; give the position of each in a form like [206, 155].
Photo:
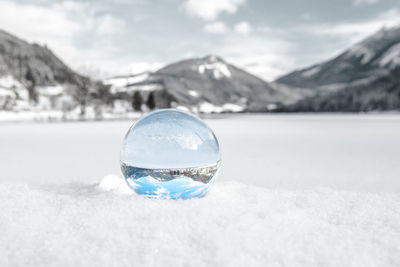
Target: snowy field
[294, 190]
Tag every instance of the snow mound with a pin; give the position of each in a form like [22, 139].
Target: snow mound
[233, 225]
[114, 183]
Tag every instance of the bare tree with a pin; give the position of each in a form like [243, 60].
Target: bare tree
[137, 101]
[82, 93]
[31, 85]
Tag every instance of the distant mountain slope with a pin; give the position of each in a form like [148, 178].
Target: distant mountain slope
[210, 84]
[383, 93]
[32, 77]
[369, 59]
[25, 61]
[363, 78]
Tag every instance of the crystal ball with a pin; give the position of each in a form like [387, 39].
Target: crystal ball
[170, 154]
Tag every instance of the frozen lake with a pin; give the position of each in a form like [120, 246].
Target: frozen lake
[294, 190]
[352, 152]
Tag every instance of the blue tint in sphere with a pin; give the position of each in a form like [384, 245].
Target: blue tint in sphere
[170, 154]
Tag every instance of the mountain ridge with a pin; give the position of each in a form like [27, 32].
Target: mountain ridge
[366, 58]
[32, 77]
[207, 83]
[364, 77]
[18, 57]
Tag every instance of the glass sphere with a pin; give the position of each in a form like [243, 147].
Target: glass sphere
[170, 154]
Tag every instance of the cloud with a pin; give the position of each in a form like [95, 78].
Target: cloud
[210, 9]
[275, 51]
[71, 29]
[139, 67]
[358, 30]
[216, 28]
[266, 66]
[109, 25]
[368, 2]
[264, 55]
[305, 16]
[243, 27]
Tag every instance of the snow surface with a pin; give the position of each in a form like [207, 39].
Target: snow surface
[234, 225]
[355, 152]
[294, 190]
[119, 112]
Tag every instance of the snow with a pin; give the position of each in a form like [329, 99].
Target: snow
[207, 108]
[294, 190]
[6, 93]
[121, 106]
[183, 108]
[193, 93]
[362, 52]
[229, 107]
[219, 69]
[8, 97]
[51, 115]
[120, 83]
[20, 116]
[356, 152]
[234, 225]
[8, 81]
[144, 87]
[51, 90]
[271, 106]
[125, 80]
[391, 58]
[311, 72]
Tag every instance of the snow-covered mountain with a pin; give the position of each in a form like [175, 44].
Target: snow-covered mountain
[34, 79]
[379, 94]
[363, 78]
[375, 56]
[206, 85]
[25, 61]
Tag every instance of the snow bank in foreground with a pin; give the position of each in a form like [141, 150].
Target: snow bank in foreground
[234, 225]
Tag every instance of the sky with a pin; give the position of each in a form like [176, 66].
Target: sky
[265, 37]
